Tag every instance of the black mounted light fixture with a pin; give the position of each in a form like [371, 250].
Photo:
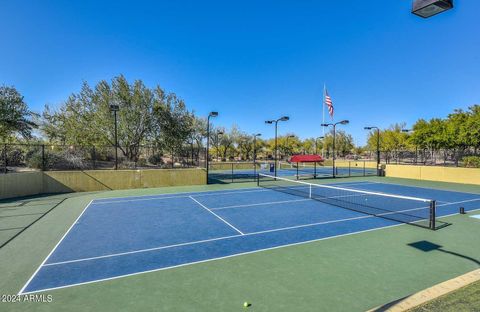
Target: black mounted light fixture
[428, 8]
[275, 121]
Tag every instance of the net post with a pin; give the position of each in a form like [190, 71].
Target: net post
[310, 191]
[258, 179]
[433, 206]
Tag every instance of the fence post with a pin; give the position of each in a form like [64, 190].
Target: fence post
[5, 158]
[43, 157]
[232, 172]
[364, 173]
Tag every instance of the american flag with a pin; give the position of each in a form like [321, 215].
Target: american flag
[328, 102]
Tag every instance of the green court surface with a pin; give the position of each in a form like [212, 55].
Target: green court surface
[349, 273]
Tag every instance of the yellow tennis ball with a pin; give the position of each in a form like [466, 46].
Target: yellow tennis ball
[246, 304]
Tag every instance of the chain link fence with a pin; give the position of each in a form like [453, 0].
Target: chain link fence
[45, 157]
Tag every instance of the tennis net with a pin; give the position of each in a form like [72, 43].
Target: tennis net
[405, 209]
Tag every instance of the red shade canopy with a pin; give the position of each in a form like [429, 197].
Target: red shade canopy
[306, 158]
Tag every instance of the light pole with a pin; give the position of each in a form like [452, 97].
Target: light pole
[416, 147]
[275, 121]
[255, 153]
[216, 140]
[316, 143]
[212, 114]
[343, 122]
[115, 108]
[378, 143]
[288, 146]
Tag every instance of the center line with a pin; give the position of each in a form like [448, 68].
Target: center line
[216, 215]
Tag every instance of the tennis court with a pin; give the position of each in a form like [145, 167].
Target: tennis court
[119, 237]
[236, 173]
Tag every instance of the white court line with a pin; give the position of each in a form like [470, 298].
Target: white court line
[425, 187]
[207, 260]
[350, 183]
[459, 202]
[220, 258]
[110, 200]
[253, 233]
[181, 196]
[216, 215]
[54, 248]
[352, 190]
[366, 216]
[261, 204]
[208, 240]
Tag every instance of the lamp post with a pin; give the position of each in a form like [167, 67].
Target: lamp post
[288, 146]
[216, 140]
[275, 121]
[255, 153]
[334, 125]
[416, 147]
[378, 143]
[212, 114]
[316, 143]
[115, 108]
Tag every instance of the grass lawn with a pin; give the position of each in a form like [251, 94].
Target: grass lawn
[464, 299]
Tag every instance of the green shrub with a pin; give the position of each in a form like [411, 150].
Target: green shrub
[15, 157]
[156, 159]
[471, 161]
[34, 160]
[63, 160]
[142, 162]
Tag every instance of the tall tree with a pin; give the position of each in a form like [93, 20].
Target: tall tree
[174, 123]
[85, 118]
[15, 117]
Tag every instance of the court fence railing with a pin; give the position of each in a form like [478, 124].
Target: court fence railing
[247, 171]
[53, 157]
[424, 157]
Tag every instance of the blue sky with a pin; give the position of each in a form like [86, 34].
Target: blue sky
[252, 60]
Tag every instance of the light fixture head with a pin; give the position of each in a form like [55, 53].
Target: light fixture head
[428, 8]
[284, 118]
[114, 107]
[367, 128]
[325, 125]
[269, 121]
[213, 114]
[344, 122]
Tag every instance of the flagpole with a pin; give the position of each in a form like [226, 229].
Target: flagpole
[323, 119]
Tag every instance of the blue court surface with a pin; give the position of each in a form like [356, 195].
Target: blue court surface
[320, 171]
[118, 237]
